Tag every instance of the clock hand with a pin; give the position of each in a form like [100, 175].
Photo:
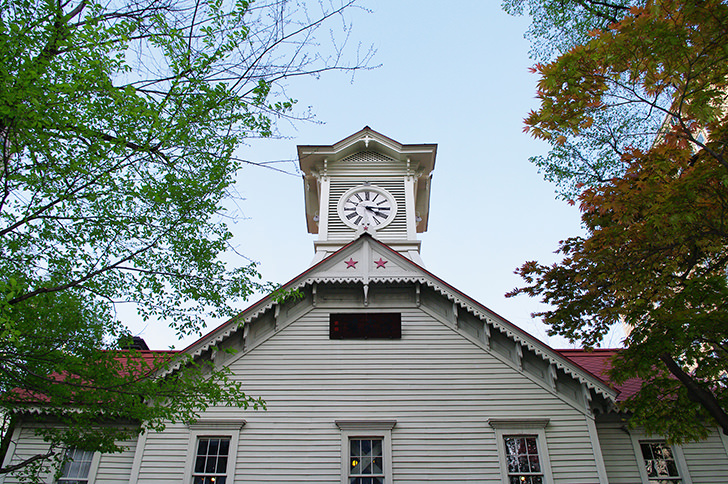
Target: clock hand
[379, 211]
[375, 211]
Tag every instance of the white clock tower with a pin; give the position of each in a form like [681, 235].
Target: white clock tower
[367, 183]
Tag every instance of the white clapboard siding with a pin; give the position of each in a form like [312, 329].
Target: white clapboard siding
[165, 455]
[439, 387]
[619, 456]
[707, 460]
[115, 468]
[111, 469]
[27, 444]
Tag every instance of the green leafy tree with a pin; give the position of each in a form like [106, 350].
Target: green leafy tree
[559, 25]
[636, 117]
[119, 123]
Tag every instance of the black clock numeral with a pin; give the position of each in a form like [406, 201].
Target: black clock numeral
[349, 208]
[352, 215]
[357, 196]
[366, 196]
[358, 220]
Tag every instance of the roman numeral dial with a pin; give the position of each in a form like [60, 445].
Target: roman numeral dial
[367, 206]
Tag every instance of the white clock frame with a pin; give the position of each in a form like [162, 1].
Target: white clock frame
[371, 188]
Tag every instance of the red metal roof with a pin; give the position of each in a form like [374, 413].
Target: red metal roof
[143, 363]
[598, 362]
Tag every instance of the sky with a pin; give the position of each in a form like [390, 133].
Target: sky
[457, 76]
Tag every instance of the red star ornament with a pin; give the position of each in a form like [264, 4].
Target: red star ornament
[380, 263]
[351, 263]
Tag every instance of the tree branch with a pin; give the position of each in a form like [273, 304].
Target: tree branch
[65, 197]
[697, 393]
[589, 7]
[81, 280]
[38, 457]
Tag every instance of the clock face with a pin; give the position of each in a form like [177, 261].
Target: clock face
[367, 206]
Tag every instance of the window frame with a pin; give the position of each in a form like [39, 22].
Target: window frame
[207, 455]
[677, 453]
[366, 429]
[212, 429]
[522, 428]
[92, 470]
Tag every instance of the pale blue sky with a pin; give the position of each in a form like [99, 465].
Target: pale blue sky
[454, 74]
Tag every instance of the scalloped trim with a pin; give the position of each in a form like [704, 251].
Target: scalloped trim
[481, 313]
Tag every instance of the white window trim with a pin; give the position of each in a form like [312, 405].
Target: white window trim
[527, 426]
[214, 428]
[366, 429]
[677, 452]
[91, 472]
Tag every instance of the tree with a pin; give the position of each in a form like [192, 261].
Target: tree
[119, 123]
[627, 112]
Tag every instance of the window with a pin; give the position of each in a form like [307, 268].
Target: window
[366, 464]
[212, 451]
[522, 462]
[365, 326]
[366, 451]
[77, 467]
[659, 462]
[524, 457]
[211, 460]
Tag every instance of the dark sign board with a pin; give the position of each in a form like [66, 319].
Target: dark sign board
[365, 326]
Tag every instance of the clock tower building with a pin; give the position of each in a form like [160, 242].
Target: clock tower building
[367, 183]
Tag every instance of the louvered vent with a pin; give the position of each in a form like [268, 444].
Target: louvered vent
[379, 170]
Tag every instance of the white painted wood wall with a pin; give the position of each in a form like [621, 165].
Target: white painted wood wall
[108, 468]
[439, 385]
[707, 461]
